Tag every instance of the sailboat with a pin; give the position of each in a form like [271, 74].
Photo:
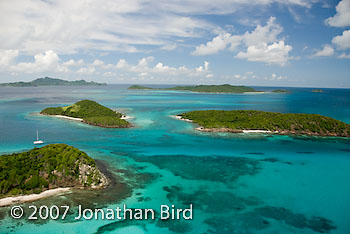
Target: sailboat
[38, 142]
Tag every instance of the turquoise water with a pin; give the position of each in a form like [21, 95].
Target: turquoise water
[237, 183]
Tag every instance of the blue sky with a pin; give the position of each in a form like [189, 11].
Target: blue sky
[264, 42]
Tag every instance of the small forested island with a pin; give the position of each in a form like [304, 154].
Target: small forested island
[280, 91]
[90, 112]
[238, 121]
[52, 166]
[225, 88]
[47, 81]
[317, 91]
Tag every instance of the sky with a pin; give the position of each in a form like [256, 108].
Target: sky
[294, 43]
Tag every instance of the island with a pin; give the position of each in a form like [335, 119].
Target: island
[317, 91]
[45, 171]
[280, 91]
[225, 88]
[47, 81]
[90, 112]
[252, 121]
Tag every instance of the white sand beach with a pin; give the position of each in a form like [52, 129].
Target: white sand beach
[66, 117]
[180, 118]
[256, 131]
[32, 197]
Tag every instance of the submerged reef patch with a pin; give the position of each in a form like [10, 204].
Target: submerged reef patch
[211, 168]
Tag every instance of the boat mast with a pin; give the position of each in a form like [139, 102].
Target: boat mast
[37, 135]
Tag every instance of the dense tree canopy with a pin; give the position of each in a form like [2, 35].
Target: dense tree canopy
[312, 124]
[51, 166]
[91, 112]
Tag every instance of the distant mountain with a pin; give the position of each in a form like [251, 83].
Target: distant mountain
[47, 81]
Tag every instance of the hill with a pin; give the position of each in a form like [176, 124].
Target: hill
[47, 81]
[92, 113]
[225, 88]
[240, 120]
[52, 166]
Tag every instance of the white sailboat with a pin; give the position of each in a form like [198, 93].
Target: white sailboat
[38, 142]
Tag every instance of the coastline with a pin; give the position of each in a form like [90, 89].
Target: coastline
[124, 117]
[33, 197]
[79, 119]
[66, 117]
[255, 131]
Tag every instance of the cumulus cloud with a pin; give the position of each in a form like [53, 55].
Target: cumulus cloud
[47, 61]
[262, 44]
[343, 41]
[342, 17]
[276, 53]
[326, 51]
[251, 77]
[217, 44]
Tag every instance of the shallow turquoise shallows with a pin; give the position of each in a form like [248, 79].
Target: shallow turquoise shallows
[236, 183]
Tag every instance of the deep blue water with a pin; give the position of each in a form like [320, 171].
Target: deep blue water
[237, 183]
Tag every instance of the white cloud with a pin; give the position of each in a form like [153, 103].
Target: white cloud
[87, 70]
[326, 51]
[276, 53]
[122, 64]
[98, 62]
[262, 44]
[67, 26]
[47, 61]
[217, 44]
[344, 56]
[73, 63]
[342, 17]
[7, 57]
[343, 41]
[251, 77]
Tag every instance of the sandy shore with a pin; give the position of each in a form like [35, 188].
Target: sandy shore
[32, 197]
[256, 131]
[66, 117]
[257, 92]
[180, 118]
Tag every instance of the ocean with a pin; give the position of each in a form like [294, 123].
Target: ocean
[236, 183]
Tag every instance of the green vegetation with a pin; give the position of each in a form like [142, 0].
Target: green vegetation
[52, 166]
[280, 91]
[91, 112]
[317, 91]
[139, 87]
[107, 121]
[238, 120]
[47, 81]
[225, 88]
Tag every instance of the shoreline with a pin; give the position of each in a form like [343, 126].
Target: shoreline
[33, 197]
[256, 131]
[66, 117]
[124, 117]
